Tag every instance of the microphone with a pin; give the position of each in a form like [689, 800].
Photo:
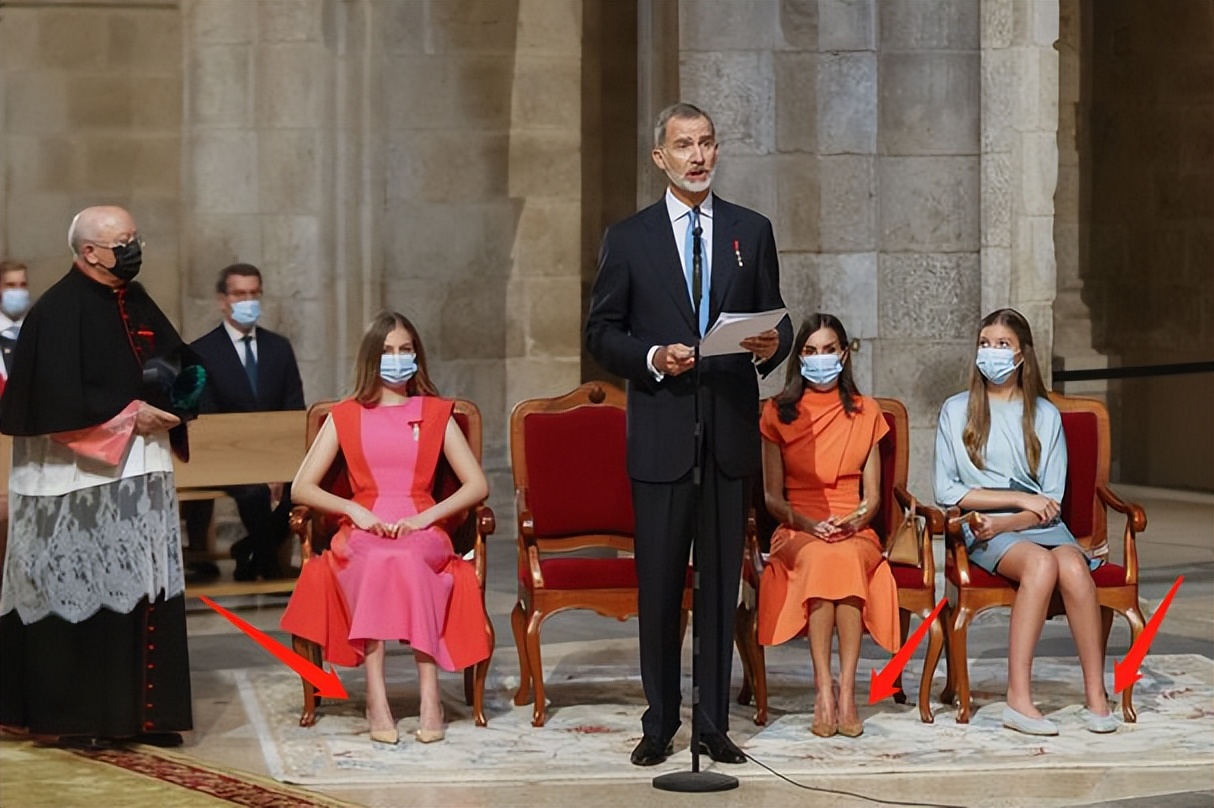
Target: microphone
[697, 262]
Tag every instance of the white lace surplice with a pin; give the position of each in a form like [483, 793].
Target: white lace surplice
[84, 536]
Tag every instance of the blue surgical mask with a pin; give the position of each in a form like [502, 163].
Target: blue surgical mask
[821, 368]
[15, 302]
[246, 312]
[997, 364]
[397, 368]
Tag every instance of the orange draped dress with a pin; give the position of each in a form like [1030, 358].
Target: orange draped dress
[824, 452]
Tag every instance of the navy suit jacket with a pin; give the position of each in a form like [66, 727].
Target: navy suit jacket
[640, 300]
[279, 386]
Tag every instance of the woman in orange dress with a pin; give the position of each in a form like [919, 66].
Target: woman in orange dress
[820, 460]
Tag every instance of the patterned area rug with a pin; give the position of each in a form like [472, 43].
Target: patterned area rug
[596, 704]
[33, 775]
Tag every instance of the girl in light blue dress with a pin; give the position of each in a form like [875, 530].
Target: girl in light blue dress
[1001, 453]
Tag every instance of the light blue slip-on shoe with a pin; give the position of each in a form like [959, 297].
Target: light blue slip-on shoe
[1029, 726]
[1101, 724]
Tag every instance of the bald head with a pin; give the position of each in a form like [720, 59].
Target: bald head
[104, 225]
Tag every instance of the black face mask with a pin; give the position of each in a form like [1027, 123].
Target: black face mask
[128, 259]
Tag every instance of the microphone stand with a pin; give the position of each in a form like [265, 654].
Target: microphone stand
[696, 781]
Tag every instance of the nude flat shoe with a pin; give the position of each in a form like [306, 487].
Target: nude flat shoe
[1029, 726]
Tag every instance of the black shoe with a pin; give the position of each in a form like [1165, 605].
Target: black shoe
[718, 747]
[87, 743]
[651, 751]
[201, 572]
[161, 739]
[242, 553]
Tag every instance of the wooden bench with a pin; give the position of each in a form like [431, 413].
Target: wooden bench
[240, 449]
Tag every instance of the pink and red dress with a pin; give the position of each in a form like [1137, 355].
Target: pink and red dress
[413, 588]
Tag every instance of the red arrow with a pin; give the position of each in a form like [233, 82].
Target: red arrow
[881, 685]
[1125, 672]
[327, 685]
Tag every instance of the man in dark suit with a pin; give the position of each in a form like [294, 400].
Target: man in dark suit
[249, 369]
[642, 326]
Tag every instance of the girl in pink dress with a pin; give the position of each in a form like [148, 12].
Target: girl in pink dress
[396, 572]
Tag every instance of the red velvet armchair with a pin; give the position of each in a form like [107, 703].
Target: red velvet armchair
[572, 493]
[916, 585]
[467, 531]
[971, 590]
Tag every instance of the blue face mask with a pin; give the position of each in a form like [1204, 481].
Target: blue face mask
[15, 302]
[397, 368]
[821, 368]
[246, 312]
[997, 364]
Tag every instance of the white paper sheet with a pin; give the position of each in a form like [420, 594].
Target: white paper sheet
[730, 329]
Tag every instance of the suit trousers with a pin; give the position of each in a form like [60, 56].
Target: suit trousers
[265, 527]
[666, 525]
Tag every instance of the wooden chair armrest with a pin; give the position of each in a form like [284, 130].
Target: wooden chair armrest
[954, 545]
[933, 515]
[752, 559]
[528, 550]
[301, 526]
[1135, 520]
[486, 523]
[1134, 513]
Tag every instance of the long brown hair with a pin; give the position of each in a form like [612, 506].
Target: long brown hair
[794, 382]
[1028, 379]
[367, 383]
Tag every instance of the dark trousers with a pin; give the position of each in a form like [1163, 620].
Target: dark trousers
[665, 526]
[266, 527]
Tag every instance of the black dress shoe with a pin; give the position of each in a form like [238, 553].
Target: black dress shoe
[718, 747]
[651, 751]
[201, 572]
[242, 553]
[161, 739]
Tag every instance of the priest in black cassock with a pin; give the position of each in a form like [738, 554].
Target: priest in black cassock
[92, 612]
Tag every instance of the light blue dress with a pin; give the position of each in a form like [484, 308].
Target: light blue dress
[1006, 468]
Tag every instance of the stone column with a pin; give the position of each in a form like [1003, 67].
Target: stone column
[90, 124]
[1020, 162]
[928, 275]
[543, 294]
[258, 175]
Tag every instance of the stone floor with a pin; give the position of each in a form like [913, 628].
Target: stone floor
[1179, 540]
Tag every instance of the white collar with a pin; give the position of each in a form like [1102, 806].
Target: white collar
[677, 210]
[236, 334]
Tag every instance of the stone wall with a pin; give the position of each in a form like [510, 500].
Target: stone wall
[90, 113]
[854, 126]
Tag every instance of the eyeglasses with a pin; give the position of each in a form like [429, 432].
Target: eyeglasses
[135, 239]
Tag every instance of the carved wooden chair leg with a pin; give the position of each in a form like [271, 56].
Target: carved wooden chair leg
[959, 662]
[311, 652]
[935, 644]
[1106, 624]
[478, 692]
[535, 660]
[904, 618]
[518, 623]
[744, 639]
[948, 695]
[1134, 618]
[760, 686]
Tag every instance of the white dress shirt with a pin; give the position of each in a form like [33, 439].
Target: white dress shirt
[238, 336]
[680, 220]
